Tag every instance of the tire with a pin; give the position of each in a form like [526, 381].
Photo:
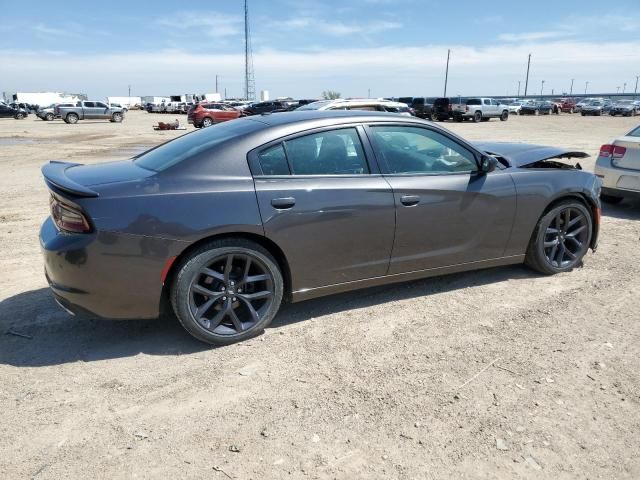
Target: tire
[486, 119]
[536, 112]
[49, 117]
[72, 118]
[505, 116]
[116, 117]
[583, 114]
[207, 122]
[457, 119]
[551, 248]
[612, 199]
[19, 116]
[477, 117]
[229, 315]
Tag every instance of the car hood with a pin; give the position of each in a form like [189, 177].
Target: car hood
[523, 154]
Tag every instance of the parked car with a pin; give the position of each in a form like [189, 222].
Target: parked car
[117, 105]
[596, 107]
[50, 113]
[266, 107]
[567, 105]
[618, 165]
[367, 104]
[480, 109]
[12, 112]
[536, 107]
[23, 107]
[90, 111]
[301, 205]
[422, 107]
[207, 114]
[514, 108]
[443, 108]
[626, 108]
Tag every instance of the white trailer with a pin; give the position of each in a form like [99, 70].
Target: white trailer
[41, 98]
[126, 102]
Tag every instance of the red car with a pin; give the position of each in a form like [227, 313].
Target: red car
[568, 105]
[207, 114]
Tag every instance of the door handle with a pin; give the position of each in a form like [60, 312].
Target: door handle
[409, 200]
[283, 203]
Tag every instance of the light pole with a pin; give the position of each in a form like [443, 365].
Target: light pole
[541, 87]
[624, 87]
[518, 88]
[586, 85]
[617, 89]
[216, 83]
[446, 73]
[571, 89]
[526, 82]
[635, 90]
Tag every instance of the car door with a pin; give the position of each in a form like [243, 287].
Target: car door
[101, 110]
[5, 111]
[487, 109]
[326, 205]
[447, 211]
[88, 110]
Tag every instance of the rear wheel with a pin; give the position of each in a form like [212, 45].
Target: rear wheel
[207, 122]
[49, 117]
[71, 118]
[19, 116]
[227, 291]
[610, 199]
[477, 117]
[116, 117]
[561, 238]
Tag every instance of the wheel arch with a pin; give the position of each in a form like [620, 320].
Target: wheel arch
[587, 201]
[269, 245]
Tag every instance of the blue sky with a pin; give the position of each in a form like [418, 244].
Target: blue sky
[302, 47]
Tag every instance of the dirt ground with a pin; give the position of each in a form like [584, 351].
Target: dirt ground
[494, 374]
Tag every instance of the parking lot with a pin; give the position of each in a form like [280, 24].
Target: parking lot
[504, 373]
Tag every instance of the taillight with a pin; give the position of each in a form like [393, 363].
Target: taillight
[606, 151]
[466, 108]
[67, 218]
[618, 151]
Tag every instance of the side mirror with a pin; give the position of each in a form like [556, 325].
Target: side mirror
[488, 164]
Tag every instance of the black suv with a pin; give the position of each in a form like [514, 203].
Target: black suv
[266, 107]
[423, 107]
[8, 111]
[442, 109]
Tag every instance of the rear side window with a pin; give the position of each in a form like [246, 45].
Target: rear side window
[187, 146]
[333, 152]
[634, 133]
[89, 104]
[474, 101]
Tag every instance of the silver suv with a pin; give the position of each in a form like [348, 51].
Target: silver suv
[479, 109]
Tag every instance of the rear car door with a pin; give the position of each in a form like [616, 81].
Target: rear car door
[325, 203]
[447, 212]
[89, 110]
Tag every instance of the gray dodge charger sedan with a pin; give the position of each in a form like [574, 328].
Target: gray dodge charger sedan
[226, 223]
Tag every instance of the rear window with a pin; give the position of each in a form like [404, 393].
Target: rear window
[634, 133]
[182, 148]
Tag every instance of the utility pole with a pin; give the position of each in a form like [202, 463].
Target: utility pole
[541, 87]
[225, 93]
[635, 90]
[518, 88]
[586, 85]
[571, 89]
[624, 87]
[446, 73]
[217, 83]
[617, 89]
[526, 83]
[368, 93]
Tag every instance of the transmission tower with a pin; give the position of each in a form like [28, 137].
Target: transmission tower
[249, 80]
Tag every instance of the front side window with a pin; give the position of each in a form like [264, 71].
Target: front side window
[487, 102]
[102, 105]
[419, 150]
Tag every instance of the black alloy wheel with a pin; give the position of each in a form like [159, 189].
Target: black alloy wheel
[561, 239]
[227, 292]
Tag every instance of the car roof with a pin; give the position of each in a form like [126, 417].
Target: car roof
[329, 117]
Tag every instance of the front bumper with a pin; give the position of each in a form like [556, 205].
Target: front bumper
[105, 274]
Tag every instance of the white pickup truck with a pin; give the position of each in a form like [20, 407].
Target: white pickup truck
[478, 109]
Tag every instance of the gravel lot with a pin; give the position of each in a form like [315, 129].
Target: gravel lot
[494, 374]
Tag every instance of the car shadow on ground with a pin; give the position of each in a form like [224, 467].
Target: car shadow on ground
[628, 209]
[35, 331]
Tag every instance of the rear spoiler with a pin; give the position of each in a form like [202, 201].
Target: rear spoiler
[55, 176]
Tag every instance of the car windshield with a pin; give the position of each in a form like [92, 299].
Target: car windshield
[315, 105]
[175, 151]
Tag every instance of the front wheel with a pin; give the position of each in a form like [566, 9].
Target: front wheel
[49, 117]
[116, 117]
[505, 116]
[227, 291]
[207, 122]
[19, 116]
[561, 238]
